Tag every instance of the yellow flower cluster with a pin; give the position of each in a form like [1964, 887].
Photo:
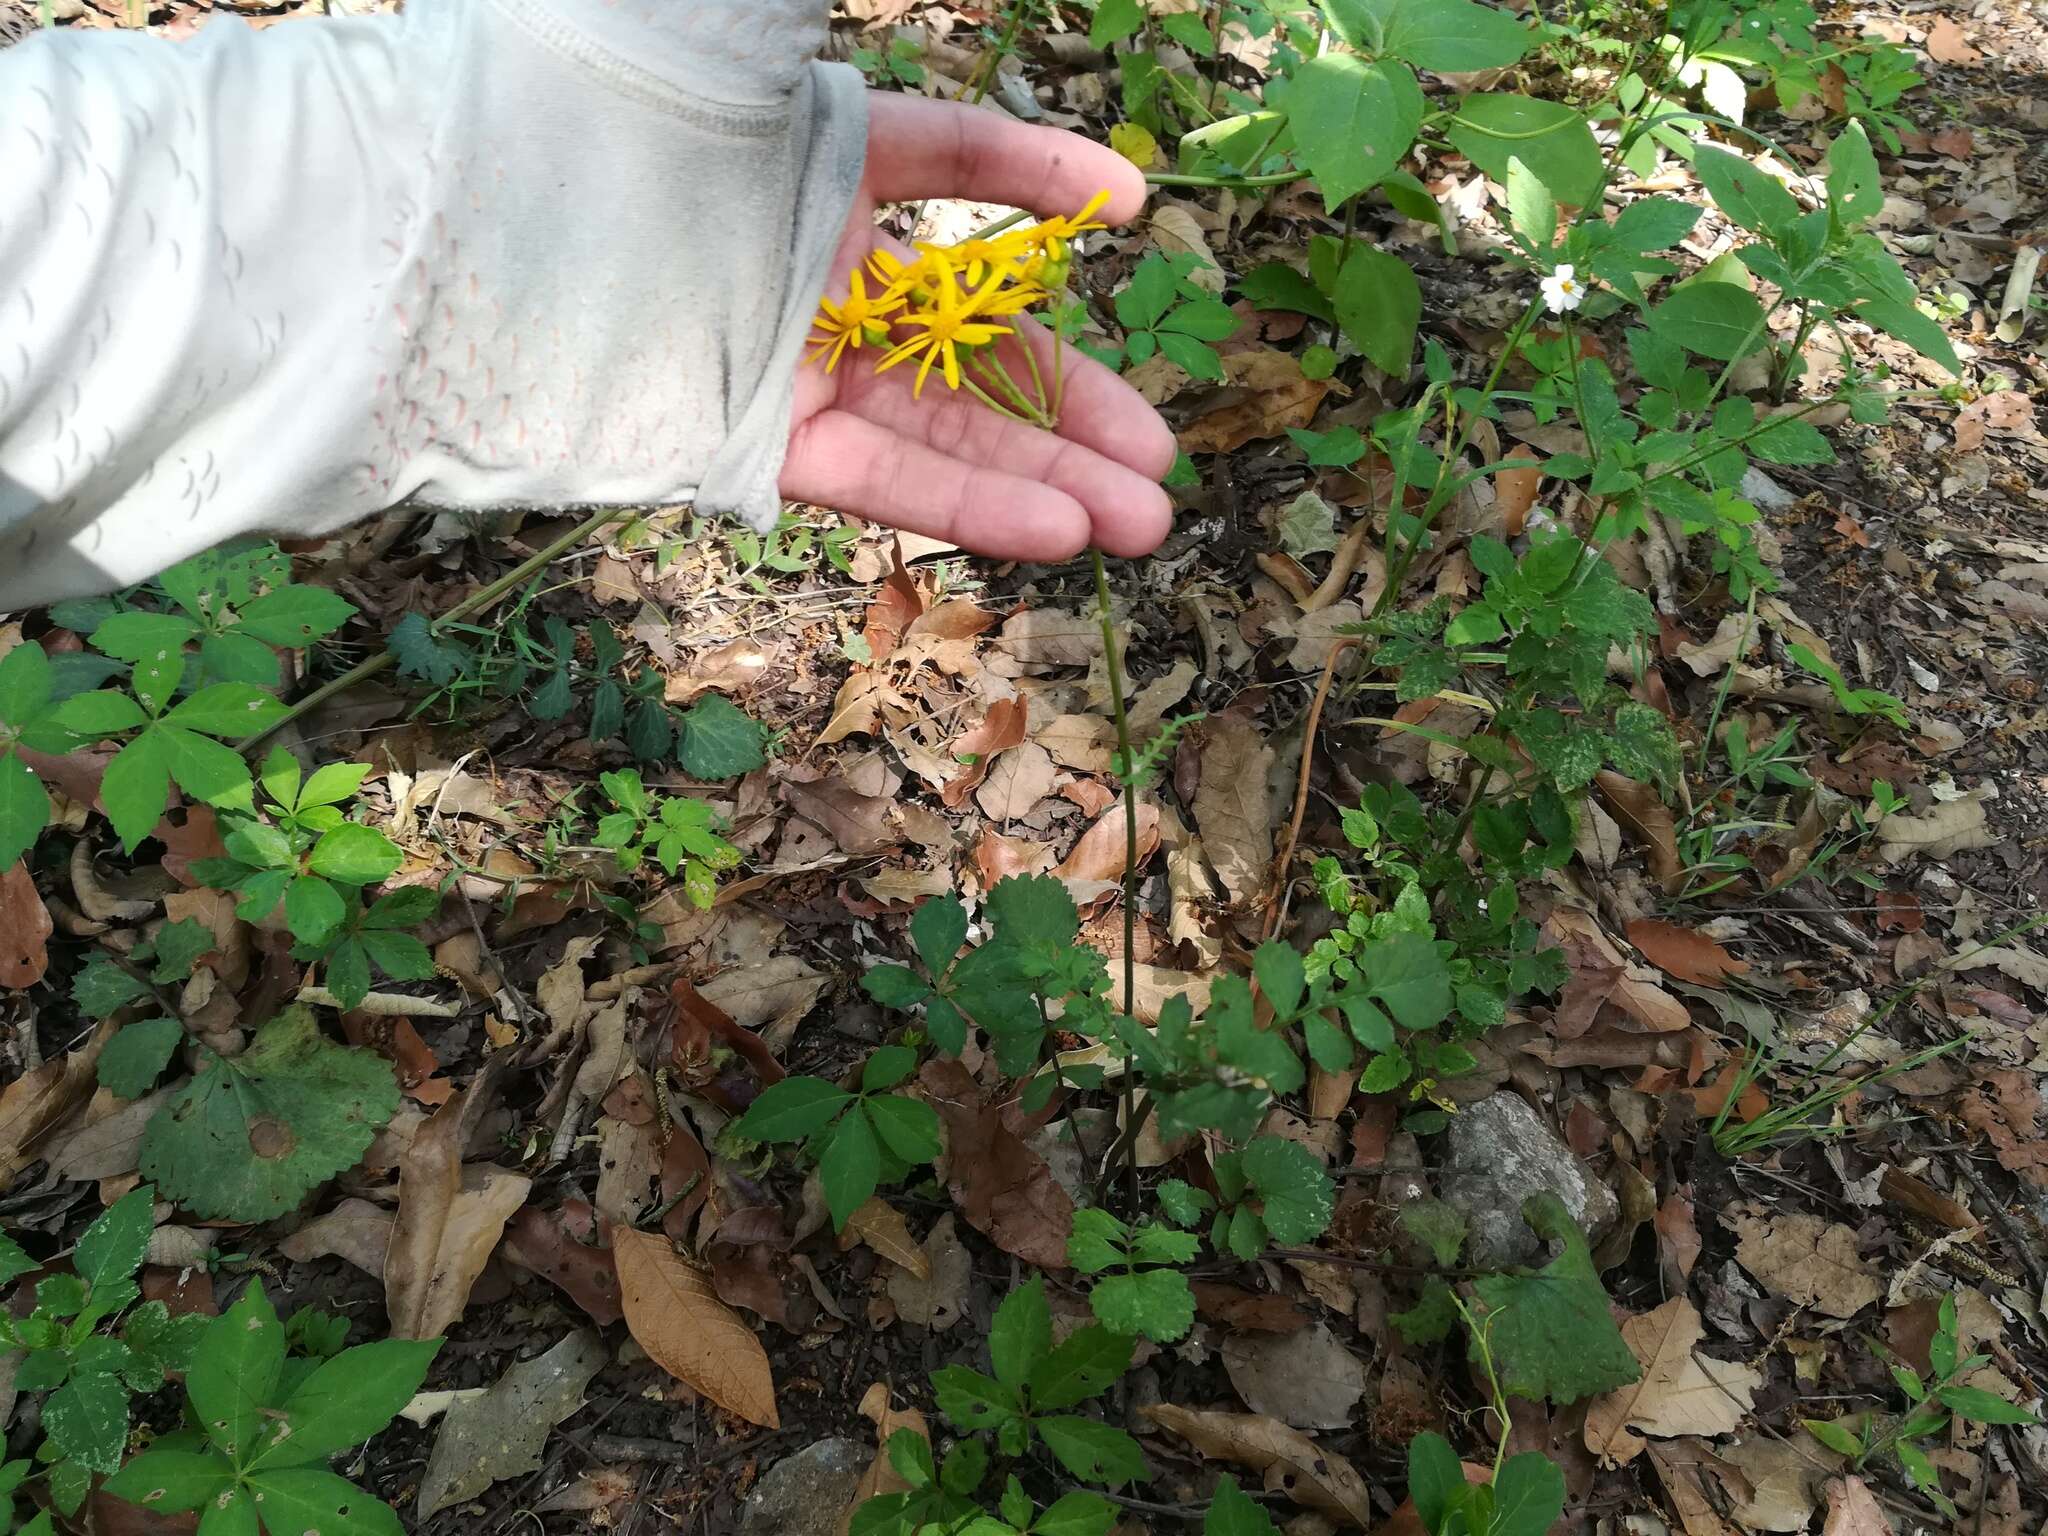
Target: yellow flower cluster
[951, 298]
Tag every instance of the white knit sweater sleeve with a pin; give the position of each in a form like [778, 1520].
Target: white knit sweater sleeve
[494, 253]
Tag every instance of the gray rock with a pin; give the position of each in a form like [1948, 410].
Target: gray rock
[807, 1493]
[1501, 1153]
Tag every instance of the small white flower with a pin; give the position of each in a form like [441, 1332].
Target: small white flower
[1562, 290]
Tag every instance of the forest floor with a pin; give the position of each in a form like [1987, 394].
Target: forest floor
[1918, 562]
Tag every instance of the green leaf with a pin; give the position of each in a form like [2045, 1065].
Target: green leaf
[1553, 1332]
[113, 1246]
[718, 740]
[1748, 195]
[104, 713]
[849, 1167]
[1155, 1303]
[14, 1260]
[908, 1127]
[1854, 187]
[1280, 975]
[1115, 20]
[1037, 910]
[1083, 1365]
[136, 787]
[1437, 1225]
[103, 987]
[234, 1373]
[1352, 121]
[938, 928]
[311, 1501]
[1020, 1336]
[332, 783]
[1376, 299]
[1448, 36]
[1716, 320]
[233, 1513]
[345, 1401]
[970, 1399]
[895, 986]
[1548, 137]
[24, 804]
[170, 1482]
[1191, 356]
[25, 683]
[87, 1420]
[135, 1058]
[1406, 974]
[911, 1455]
[792, 1109]
[1278, 286]
[1295, 1192]
[1097, 1241]
[1984, 1407]
[423, 654]
[398, 955]
[1654, 224]
[1076, 1514]
[1093, 1451]
[886, 1067]
[1532, 211]
[249, 1136]
[1436, 1478]
[406, 907]
[1835, 1435]
[1233, 1512]
[1918, 331]
[293, 616]
[313, 909]
[355, 855]
[227, 709]
[1528, 1495]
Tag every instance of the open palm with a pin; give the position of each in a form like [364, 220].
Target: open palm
[945, 465]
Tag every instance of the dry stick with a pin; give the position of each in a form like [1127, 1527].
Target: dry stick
[1128, 766]
[484, 597]
[1277, 910]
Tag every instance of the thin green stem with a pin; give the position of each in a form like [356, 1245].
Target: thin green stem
[483, 598]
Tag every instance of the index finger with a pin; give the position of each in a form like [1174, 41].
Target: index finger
[921, 148]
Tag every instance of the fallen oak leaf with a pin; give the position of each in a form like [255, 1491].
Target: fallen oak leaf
[678, 1319]
[1806, 1259]
[1287, 1461]
[1679, 1393]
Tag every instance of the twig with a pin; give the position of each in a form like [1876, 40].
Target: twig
[484, 597]
[1277, 911]
[393, 1005]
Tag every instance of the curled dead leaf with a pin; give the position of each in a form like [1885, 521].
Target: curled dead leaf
[1287, 1460]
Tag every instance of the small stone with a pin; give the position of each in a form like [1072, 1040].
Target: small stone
[806, 1494]
[1501, 1153]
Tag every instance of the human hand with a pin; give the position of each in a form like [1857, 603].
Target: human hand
[945, 465]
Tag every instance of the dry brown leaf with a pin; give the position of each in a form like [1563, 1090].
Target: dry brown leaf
[1948, 828]
[881, 1226]
[1773, 1483]
[38, 1100]
[24, 926]
[1677, 1466]
[1806, 1259]
[558, 1246]
[449, 1221]
[999, 730]
[686, 1330]
[1946, 44]
[1003, 1188]
[1048, 637]
[2004, 1107]
[354, 1230]
[1514, 493]
[1273, 396]
[1084, 743]
[1017, 781]
[757, 997]
[1853, 1509]
[881, 1476]
[1306, 1377]
[939, 1300]
[1232, 807]
[1684, 954]
[1648, 820]
[1288, 1461]
[110, 1146]
[1099, 852]
[1679, 1393]
[858, 707]
[729, 668]
[1600, 976]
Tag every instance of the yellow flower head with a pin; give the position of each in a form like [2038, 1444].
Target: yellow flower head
[956, 319]
[849, 324]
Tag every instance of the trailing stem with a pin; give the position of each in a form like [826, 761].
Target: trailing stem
[1126, 763]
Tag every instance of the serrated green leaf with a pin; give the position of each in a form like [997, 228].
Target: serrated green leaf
[1713, 320]
[1352, 121]
[1081, 1366]
[293, 616]
[102, 987]
[24, 807]
[355, 855]
[1233, 1512]
[1020, 1335]
[1154, 1303]
[1749, 195]
[1375, 296]
[1437, 1225]
[235, 1371]
[849, 1166]
[423, 654]
[1553, 1332]
[1409, 977]
[908, 1127]
[86, 1420]
[227, 709]
[895, 986]
[970, 1399]
[792, 1109]
[1034, 910]
[112, 1247]
[249, 1136]
[1295, 1193]
[938, 928]
[1076, 1514]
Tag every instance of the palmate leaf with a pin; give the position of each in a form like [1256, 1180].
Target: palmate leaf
[718, 741]
[1552, 1331]
[249, 1136]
